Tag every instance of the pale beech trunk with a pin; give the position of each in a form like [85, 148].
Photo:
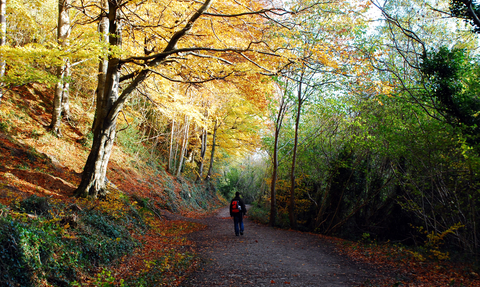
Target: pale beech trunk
[3, 41]
[203, 150]
[170, 157]
[175, 154]
[103, 27]
[66, 91]
[94, 172]
[60, 99]
[184, 147]
[273, 184]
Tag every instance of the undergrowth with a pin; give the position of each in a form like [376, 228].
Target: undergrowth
[41, 244]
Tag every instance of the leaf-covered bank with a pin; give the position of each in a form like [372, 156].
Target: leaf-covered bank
[49, 238]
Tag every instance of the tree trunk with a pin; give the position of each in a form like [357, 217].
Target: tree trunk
[184, 147]
[60, 99]
[175, 153]
[66, 91]
[103, 27]
[203, 150]
[273, 200]
[55, 125]
[3, 41]
[291, 207]
[278, 126]
[170, 157]
[95, 170]
[210, 168]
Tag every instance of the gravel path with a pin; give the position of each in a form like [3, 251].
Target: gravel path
[266, 256]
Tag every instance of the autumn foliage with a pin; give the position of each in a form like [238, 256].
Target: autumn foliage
[129, 232]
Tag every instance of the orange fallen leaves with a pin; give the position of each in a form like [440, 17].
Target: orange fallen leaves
[163, 246]
[402, 261]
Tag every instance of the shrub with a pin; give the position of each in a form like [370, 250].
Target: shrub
[39, 250]
[259, 214]
[35, 205]
[103, 239]
[13, 267]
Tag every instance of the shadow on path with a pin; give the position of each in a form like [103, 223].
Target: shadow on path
[266, 256]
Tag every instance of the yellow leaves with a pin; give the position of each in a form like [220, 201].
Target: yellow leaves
[383, 88]
[319, 53]
[32, 53]
[435, 239]
[29, 20]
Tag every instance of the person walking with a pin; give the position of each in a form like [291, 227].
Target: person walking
[237, 211]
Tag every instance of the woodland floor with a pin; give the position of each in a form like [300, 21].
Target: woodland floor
[266, 256]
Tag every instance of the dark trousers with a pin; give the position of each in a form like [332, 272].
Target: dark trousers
[238, 223]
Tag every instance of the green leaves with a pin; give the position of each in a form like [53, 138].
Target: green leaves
[467, 10]
[452, 79]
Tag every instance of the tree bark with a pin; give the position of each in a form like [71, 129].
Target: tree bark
[210, 168]
[60, 100]
[291, 207]
[94, 172]
[278, 126]
[203, 150]
[184, 147]
[103, 27]
[170, 157]
[3, 41]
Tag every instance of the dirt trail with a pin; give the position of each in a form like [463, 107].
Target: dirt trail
[265, 256]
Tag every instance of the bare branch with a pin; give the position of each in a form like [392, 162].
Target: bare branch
[189, 82]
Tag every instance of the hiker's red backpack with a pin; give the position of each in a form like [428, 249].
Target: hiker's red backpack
[236, 207]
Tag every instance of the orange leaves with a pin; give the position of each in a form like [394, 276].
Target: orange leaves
[414, 269]
[164, 252]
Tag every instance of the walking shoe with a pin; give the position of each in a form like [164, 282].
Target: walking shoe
[236, 234]
[241, 232]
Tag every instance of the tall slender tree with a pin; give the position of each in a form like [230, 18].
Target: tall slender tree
[282, 109]
[212, 153]
[60, 101]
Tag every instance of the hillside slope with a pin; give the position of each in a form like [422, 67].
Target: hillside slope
[38, 175]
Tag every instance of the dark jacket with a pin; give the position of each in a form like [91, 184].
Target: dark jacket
[242, 205]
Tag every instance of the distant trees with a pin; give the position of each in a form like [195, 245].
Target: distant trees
[392, 140]
[320, 36]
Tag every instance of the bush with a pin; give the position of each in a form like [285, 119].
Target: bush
[13, 267]
[103, 239]
[36, 205]
[259, 214]
[36, 250]
[32, 252]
